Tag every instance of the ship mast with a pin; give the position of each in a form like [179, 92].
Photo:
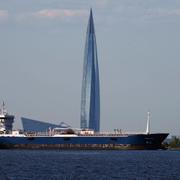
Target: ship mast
[3, 110]
[148, 123]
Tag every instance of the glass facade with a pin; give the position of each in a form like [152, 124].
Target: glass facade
[90, 95]
[32, 125]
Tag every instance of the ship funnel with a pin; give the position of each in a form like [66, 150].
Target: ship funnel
[148, 123]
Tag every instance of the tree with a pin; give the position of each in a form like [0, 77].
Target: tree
[174, 142]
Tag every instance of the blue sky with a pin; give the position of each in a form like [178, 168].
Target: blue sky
[42, 45]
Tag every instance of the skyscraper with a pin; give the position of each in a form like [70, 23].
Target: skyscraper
[90, 95]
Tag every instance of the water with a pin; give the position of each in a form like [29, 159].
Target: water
[65, 165]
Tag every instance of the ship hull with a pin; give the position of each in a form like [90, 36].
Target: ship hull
[121, 142]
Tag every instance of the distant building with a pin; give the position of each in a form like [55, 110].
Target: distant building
[31, 125]
[90, 94]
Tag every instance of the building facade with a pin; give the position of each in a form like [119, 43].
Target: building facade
[32, 125]
[90, 94]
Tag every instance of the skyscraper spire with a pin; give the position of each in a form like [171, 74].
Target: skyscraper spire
[90, 95]
[91, 22]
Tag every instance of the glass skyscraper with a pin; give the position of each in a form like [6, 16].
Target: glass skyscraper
[90, 95]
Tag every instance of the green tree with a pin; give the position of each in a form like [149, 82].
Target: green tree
[174, 142]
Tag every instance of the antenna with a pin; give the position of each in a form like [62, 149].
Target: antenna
[148, 123]
[3, 109]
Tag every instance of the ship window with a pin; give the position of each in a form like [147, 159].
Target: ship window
[113, 139]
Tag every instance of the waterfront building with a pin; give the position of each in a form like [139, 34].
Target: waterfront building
[32, 125]
[90, 94]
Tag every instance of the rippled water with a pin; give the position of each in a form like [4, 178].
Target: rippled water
[42, 164]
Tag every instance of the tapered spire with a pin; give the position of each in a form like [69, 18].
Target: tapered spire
[91, 23]
[90, 95]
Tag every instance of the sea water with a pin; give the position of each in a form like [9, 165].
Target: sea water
[83, 164]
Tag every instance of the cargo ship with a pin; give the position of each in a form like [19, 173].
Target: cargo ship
[88, 137]
[73, 138]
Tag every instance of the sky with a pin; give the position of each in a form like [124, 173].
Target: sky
[41, 59]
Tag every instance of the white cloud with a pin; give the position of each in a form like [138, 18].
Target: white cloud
[175, 12]
[160, 12]
[51, 14]
[134, 13]
[60, 13]
[3, 15]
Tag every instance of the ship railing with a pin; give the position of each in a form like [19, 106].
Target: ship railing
[103, 134]
[132, 132]
[112, 133]
[29, 134]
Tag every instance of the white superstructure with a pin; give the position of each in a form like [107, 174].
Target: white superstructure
[6, 120]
